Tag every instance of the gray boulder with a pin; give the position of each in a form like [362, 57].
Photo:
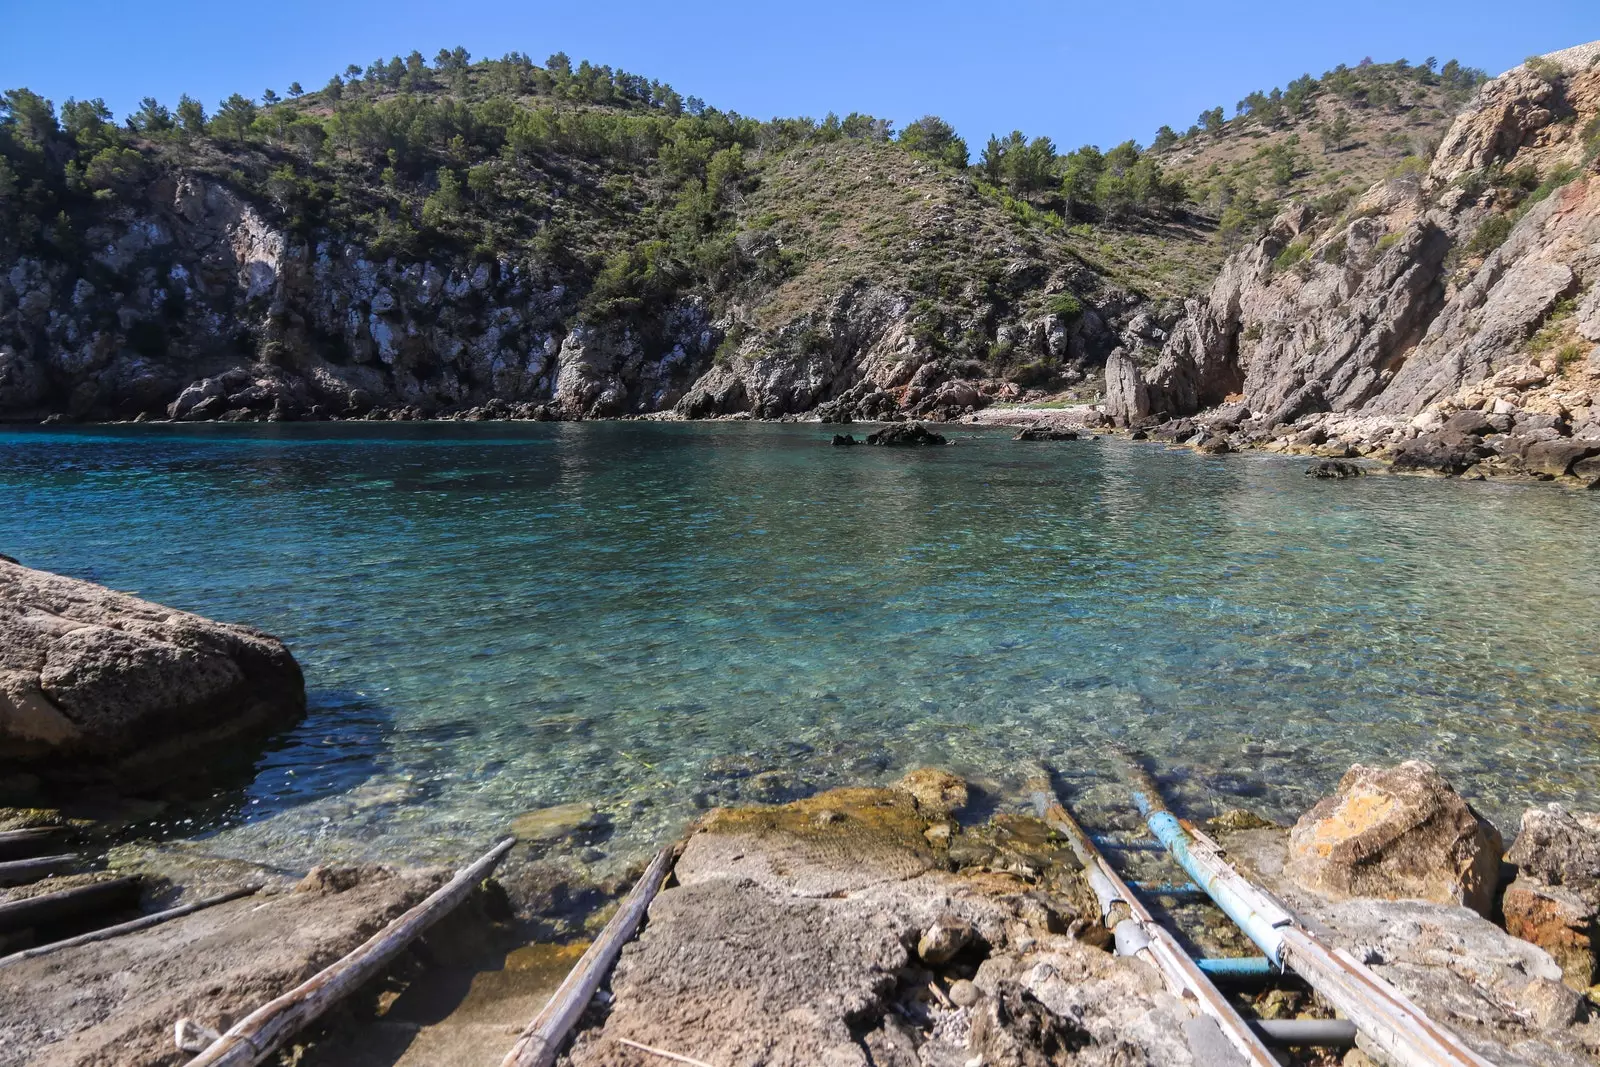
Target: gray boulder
[98, 684]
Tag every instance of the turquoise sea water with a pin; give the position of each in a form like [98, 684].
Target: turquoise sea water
[660, 617]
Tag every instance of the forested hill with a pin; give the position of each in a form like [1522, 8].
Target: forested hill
[577, 240]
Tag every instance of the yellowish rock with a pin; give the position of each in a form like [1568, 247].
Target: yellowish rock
[936, 792]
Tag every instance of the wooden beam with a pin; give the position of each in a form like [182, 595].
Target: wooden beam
[144, 921]
[16, 844]
[115, 894]
[258, 1035]
[21, 872]
[541, 1041]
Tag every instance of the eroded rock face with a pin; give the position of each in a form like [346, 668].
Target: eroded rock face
[95, 682]
[1400, 307]
[1397, 833]
[1555, 900]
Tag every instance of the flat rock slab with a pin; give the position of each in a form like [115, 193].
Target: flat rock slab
[115, 1002]
[96, 683]
[792, 938]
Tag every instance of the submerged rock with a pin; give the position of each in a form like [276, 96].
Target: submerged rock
[1332, 468]
[1045, 433]
[1397, 833]
[906, 433]
[96, 683]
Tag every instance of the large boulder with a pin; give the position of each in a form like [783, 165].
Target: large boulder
[1555, 900]
[1397, 833]
[98, 684]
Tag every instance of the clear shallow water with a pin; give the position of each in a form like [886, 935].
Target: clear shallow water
[658, 617]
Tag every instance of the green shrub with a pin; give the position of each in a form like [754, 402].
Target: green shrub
[1547, 69]
[1293, 253]
[1066, 305]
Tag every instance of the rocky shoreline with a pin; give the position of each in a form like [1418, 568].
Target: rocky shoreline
[913, 925]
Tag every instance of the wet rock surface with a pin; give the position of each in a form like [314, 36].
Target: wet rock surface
[96, 683]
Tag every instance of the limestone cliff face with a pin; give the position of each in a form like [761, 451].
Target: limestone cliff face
[1399, 306]
[193, 306]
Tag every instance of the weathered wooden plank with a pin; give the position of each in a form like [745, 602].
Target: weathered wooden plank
[18, 844]
[141, 923]
[259, 1034]
[541, 1041]
[21, 872]
[112, 895]
[1138, 933]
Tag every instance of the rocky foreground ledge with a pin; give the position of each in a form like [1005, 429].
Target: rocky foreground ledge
[99, 685]
[875, 926]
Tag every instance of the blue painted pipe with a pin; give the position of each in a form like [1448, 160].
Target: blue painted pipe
[1124, 846]
[1165, 826]
[1239, 967]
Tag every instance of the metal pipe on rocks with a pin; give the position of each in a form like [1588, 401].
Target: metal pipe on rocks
[1398, 1027]
[1138, 934]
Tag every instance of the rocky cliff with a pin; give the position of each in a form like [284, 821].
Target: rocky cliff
[1466, 288]
[215, 280]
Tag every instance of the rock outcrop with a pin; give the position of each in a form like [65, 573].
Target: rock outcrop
[1503, 995]
[1555, 900]
[1397, 833]
[828, 931]
[96, 683]
[1472, 286]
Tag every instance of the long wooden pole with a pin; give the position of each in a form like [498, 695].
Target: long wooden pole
[259, 1034]
[1140, 934]
[21, 872]
[15, 844]
[112, 894]
[1381, 1012]
[539, 1043]
[141, 923]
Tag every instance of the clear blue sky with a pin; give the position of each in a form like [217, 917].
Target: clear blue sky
[1078, 72]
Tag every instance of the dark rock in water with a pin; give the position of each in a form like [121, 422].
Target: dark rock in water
[1332, 468]
[1431, 453]
[844, 440]
[1214, 446]
[906, 434]
[96, 684]
[1045, 433]
[1138, 435]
